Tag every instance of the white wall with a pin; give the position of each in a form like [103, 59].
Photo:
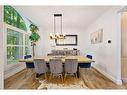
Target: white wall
[46, 43]
[106, 56]
[1, 53]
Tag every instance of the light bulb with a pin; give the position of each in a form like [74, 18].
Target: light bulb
[51, 34]
[64, 34]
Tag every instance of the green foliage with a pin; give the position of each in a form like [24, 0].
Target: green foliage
[12, 17]
[33, 28]
[34, 37]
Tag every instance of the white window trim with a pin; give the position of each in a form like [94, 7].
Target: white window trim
[5, 42]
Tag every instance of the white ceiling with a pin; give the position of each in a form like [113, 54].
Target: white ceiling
[76, 16]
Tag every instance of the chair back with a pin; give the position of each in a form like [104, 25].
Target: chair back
[89, 56]
[27, 56]
[29, 64]
[40, 66]
[71, 65]
[87, 65]
[56, 66]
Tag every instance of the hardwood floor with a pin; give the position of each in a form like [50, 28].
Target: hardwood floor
[95, 80]
[92, 79]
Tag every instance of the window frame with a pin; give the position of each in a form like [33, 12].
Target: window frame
[24, 33]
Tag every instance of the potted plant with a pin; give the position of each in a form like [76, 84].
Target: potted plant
[34, 37]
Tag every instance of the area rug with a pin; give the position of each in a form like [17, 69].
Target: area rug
[74, 84]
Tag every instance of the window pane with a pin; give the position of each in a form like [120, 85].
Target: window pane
[22, 25]
[12, 17]
[27, 45]
[27, 51]
[14, 53]
[14, 38]
[27, 40]
[7, 15]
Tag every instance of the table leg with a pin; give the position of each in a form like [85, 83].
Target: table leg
[78, 71]
[37, 75]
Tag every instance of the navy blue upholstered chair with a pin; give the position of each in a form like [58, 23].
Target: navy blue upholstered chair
[87, 65]
[29, 65]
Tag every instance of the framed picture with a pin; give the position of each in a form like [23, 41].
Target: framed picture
[97, 37]
[70, 40]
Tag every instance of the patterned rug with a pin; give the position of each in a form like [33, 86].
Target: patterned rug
[70, 83]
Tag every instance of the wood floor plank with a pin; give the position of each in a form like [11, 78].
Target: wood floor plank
[92, 79]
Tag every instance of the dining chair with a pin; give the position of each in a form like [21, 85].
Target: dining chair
[40, 67]
[87, 65]
[29, 65]
[70, 67]
[56, 68]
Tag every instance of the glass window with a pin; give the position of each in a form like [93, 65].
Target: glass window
[27, 40]
[18, 43]
[12, 17]
[27, 45]
[27, 51]
[14, 37]
[14, 45]
[14, 53]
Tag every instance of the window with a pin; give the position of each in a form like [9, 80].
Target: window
[14, 45]
[17, 38]
[12, 17]
[27, 45]
[18, 44]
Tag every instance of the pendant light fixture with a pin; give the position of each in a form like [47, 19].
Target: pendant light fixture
[57, 33]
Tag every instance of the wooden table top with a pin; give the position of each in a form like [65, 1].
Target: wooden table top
[81, 59]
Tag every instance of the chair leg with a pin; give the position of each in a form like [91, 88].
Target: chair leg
[61, 77]
[50, 76]
[76, 75]
[65, 76]
[37, 75]
[45, 76]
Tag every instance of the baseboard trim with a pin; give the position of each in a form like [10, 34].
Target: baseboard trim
[124, 80]
[118, 82]
[14, 71]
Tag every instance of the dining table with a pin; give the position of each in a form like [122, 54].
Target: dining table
[81, 60]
